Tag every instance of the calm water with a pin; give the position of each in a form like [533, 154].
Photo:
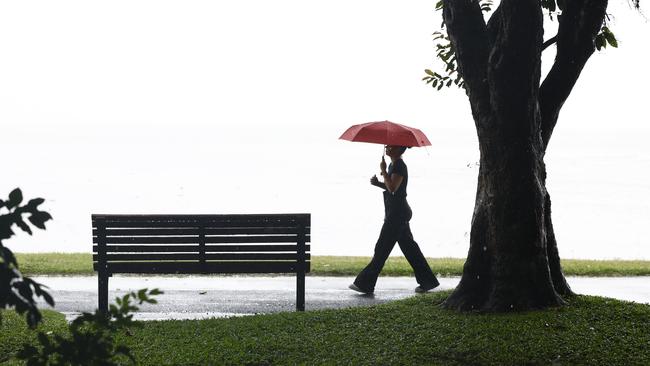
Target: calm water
[233, 111]
[598, 181]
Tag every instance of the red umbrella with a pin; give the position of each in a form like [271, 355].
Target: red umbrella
[386, 133]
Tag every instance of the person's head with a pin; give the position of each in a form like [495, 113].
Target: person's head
[394, 151]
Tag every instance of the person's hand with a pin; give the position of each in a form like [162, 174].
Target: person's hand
[382, 165]
[374, 181]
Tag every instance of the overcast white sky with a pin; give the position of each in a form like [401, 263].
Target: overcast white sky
[236, 106]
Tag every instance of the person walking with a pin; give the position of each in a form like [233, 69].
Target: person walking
[396, 228]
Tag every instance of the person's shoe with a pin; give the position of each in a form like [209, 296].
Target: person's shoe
[358, 289]
[423, 289]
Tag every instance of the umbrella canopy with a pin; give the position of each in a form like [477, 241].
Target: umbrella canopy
[386, 133]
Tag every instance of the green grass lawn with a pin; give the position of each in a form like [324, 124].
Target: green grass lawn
[14, 331]
[415, 331]
[81, 264]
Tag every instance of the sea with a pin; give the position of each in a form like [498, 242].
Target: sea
[598, 180]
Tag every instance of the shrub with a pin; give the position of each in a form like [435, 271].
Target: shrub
[17, 291]
[91, 340]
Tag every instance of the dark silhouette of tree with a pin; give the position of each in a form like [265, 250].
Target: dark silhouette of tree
[513, 261]
[91, 339]
[17, 291]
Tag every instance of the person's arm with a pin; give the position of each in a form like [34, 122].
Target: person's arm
[375, 182]
[392, 182]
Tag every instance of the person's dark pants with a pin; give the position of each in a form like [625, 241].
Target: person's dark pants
[392, 232]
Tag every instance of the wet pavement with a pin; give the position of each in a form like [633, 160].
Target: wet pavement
[195, 297]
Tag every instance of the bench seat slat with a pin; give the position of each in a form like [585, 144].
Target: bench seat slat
[197, 256]
[196, 248]
[204, 268]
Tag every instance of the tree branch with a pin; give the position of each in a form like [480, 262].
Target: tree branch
[514, 63]
[549, 42]
[468, 35]
[580, 22]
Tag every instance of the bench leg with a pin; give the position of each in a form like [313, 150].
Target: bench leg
[300, 291]
[102, 293]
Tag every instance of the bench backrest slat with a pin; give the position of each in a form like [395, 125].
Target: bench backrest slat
[196, 239]
[218, 221]
[201, 243]
[156, 231]
[199, 256]
[209, 267]
[196, 248]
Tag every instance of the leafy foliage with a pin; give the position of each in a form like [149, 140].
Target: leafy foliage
[92, 336]
[552, 7]
[445, 51]
[604, 37]
[17, 291]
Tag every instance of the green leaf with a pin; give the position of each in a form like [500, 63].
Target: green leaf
[21, 224]
[8, 256]
[34, 203]
[15, 198]
[609, 37]
[429, 72]
[599, 42]
[39, 218]
[48, 298]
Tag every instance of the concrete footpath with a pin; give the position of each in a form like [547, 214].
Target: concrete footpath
[196, 297]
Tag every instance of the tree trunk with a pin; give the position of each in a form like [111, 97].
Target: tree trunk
[507, 266]
[513, 261]
[559, 281]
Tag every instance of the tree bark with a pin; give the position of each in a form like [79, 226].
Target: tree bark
[559, 281]
[507, 266]
[513, 261]
[580, 21]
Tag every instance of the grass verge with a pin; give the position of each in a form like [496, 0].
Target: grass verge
[591, 330]
[14, 332]
[81, 264]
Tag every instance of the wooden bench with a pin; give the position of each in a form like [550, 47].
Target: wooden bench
[201, 244]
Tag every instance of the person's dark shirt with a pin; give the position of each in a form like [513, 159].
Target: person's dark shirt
[399, 168]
